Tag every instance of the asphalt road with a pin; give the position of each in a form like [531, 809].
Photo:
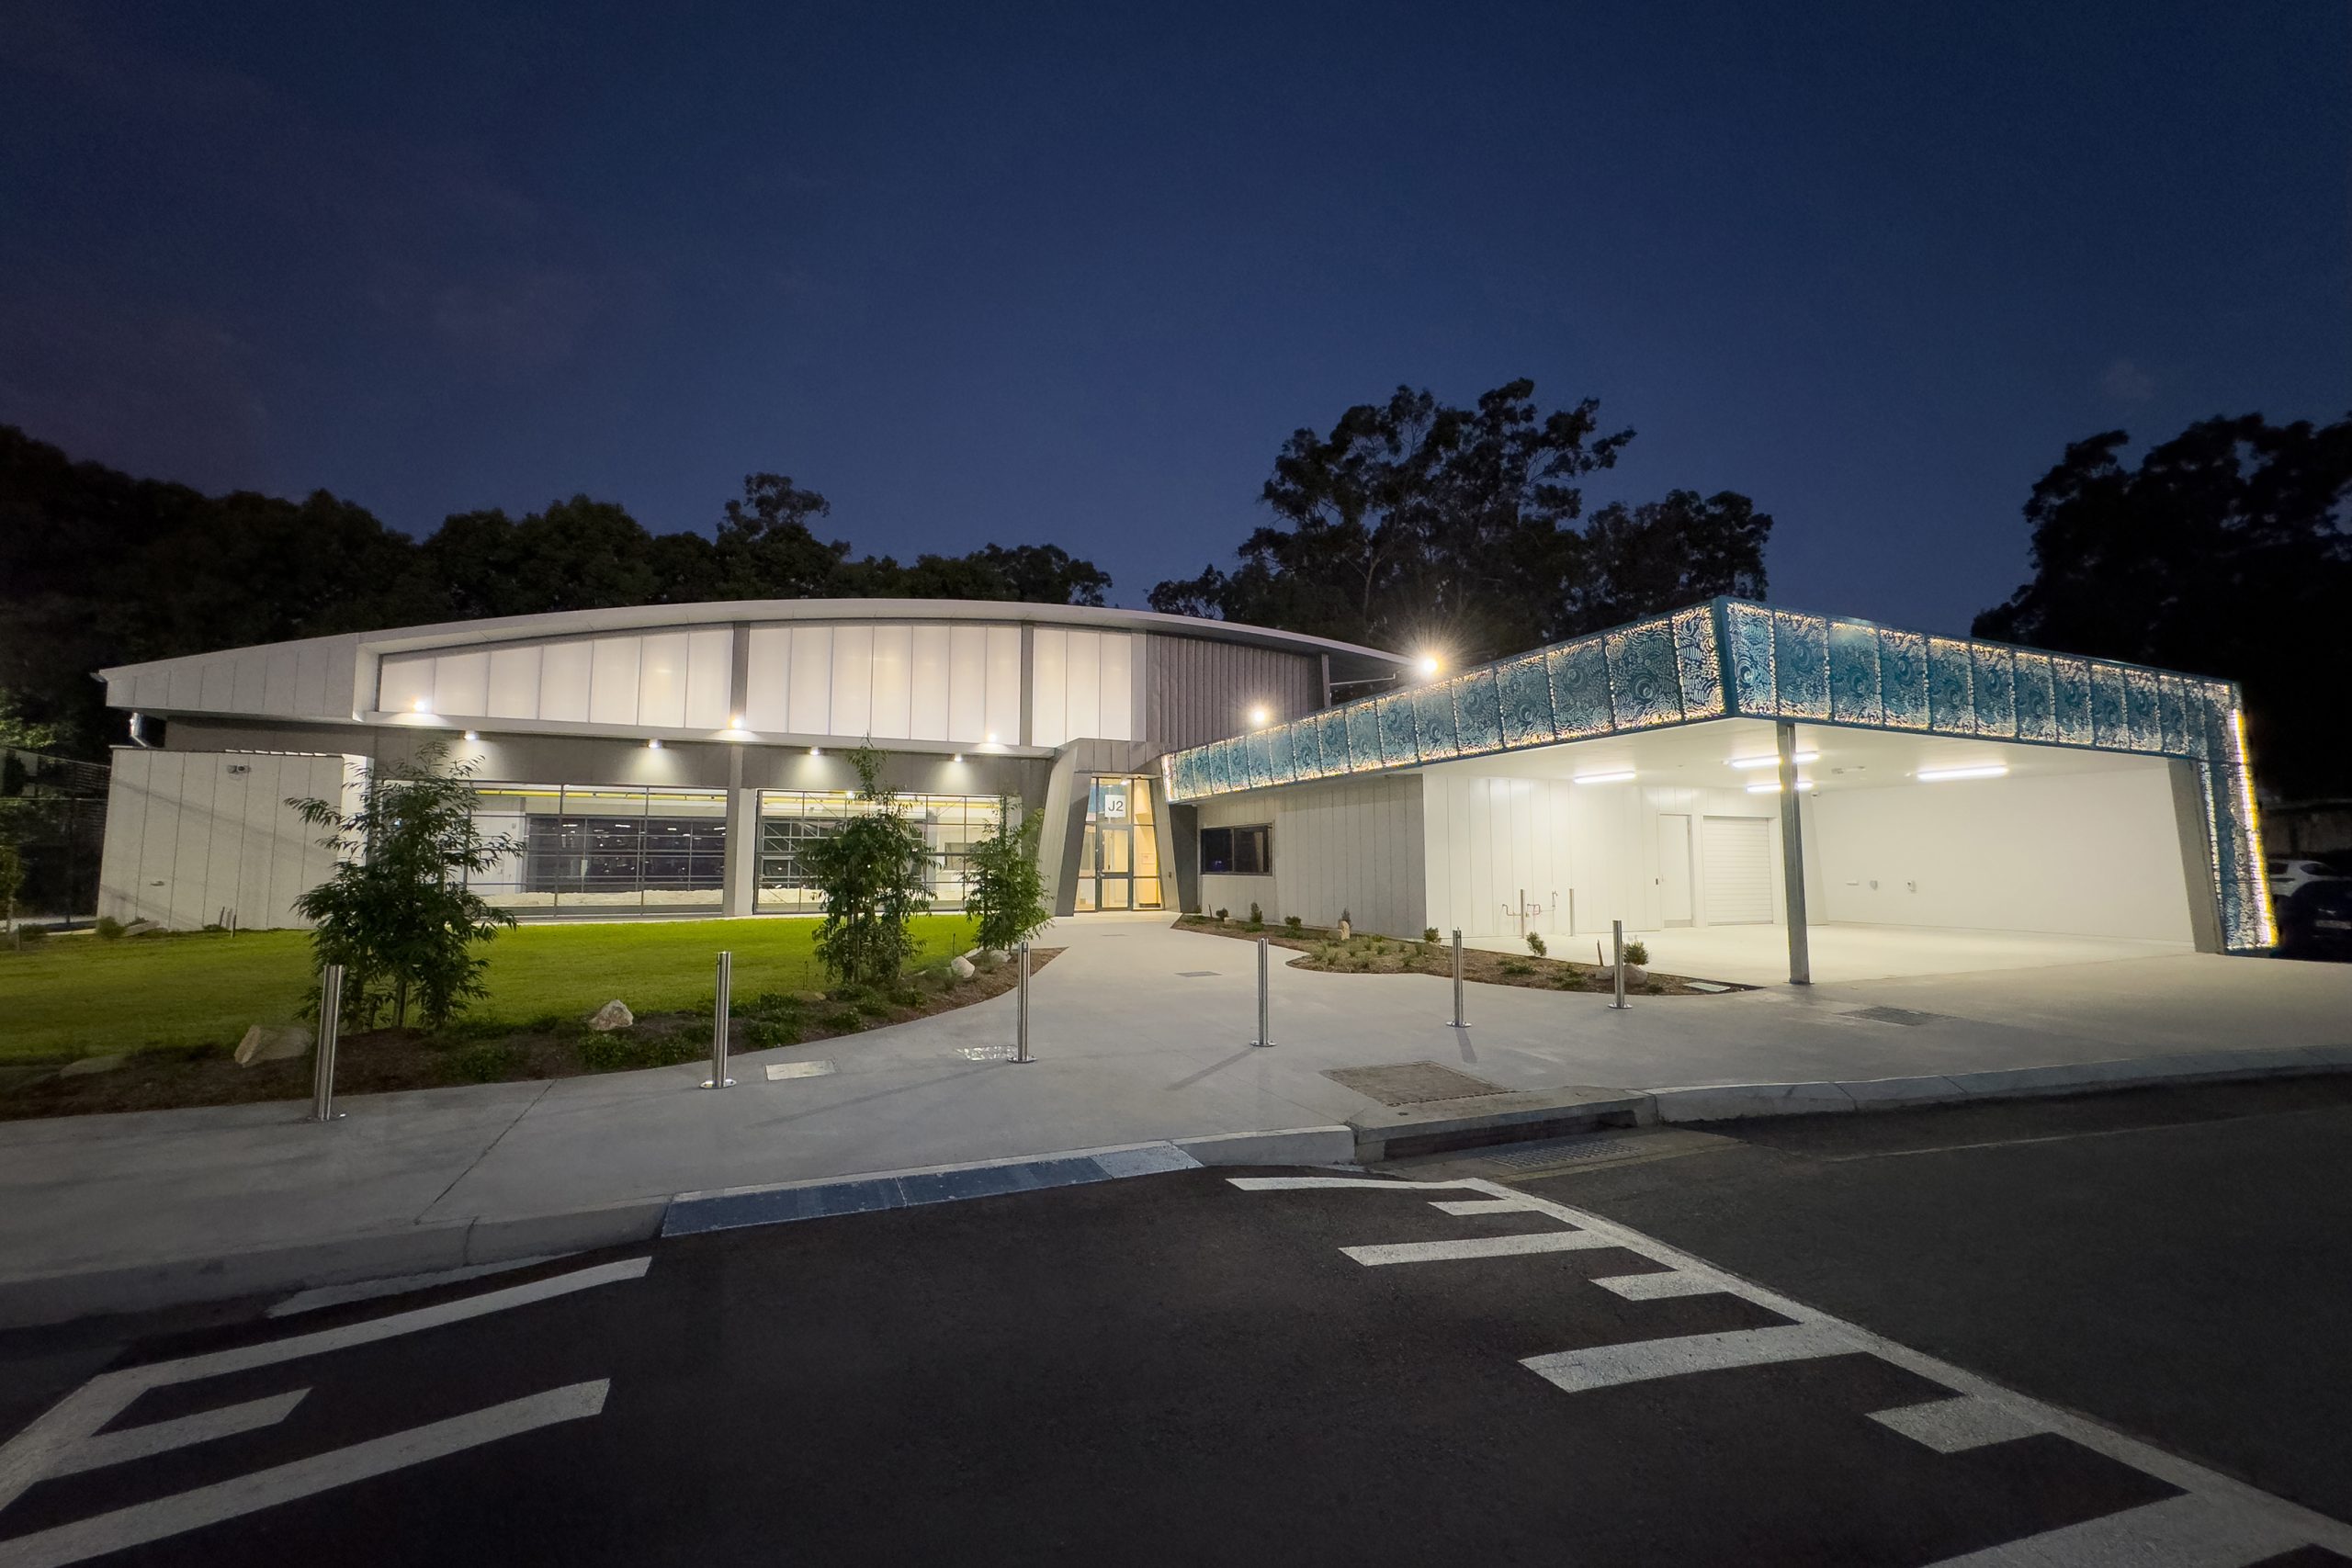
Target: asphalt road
[1182, 1369]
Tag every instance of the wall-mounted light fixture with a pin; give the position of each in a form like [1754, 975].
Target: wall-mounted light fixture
[654, 745]
[1618, 777]
[1429, 664]
[1938, 776]
[1258, 716]
[421, 705]
[471, 735]
[958, 756]
[816, 750]
[1772, 762]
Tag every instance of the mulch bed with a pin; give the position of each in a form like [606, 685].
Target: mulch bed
[1364, 954]
[383, 1060]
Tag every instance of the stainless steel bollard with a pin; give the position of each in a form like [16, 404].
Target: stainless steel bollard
[1265, 1035]
[719, 1022]
[330, 1025]
[1460, 1019]
[1021, 1041]
[1617, 960]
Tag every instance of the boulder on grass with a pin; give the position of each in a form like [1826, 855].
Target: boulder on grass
[613, 1014]
[141, 927]
[273, 1042]
[961, 967]
[89, 1065]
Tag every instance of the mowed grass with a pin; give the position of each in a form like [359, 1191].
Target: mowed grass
[79, 996]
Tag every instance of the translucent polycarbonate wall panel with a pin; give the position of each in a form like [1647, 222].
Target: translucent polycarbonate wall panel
[1081, 686]
[663, 679]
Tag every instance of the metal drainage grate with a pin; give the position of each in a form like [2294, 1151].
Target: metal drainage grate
[985, 1052]
[1903, 1016]
[1559, 1151]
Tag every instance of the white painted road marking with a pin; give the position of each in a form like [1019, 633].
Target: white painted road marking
[1955, 1425]
[58, 1437]
[368, 1289]
[1299, 1183]
[1479, 1206]
[1476, 1246]
[2223, 1521]
[156, 1437]
[144, 1522]
[2188, 1532]
[1657, 1286]
[1606, 1366]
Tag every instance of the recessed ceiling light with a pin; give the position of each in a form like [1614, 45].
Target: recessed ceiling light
[1984, 771]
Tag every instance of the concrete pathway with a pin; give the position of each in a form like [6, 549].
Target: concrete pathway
[1140, 1032]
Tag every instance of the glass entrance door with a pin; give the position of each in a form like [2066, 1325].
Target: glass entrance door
[1118, 865]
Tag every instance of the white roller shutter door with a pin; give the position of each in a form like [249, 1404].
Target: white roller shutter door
[1739, 871]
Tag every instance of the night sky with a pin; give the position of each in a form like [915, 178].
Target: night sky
[1021, 273]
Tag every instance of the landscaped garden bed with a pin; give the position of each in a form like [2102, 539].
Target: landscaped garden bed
[1362, 953]
[172, 1007]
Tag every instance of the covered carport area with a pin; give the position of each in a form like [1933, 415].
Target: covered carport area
[1921, 853]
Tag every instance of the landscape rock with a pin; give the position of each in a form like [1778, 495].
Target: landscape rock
[961, 967]
[272, 1042]
[88, 1064]
[999, 955]
[1345, 930]
[141, 928]
[613, 1014]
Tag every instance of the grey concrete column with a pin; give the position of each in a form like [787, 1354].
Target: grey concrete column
[1793, 858]
[741, 874]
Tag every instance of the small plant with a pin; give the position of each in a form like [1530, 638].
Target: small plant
[1535, 943]
[31, 936]
[872, 873]
[1637, 953]
[1292, 924]
[1221, 916]
[108, 926]
[1518, 966]
[1429, 933]
[486, 1063]
[1257, 918]
[763, 1034]
[1006, 896]
[843, 1021]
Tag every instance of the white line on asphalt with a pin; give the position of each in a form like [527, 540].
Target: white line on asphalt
[1606, 1366]
[1663, 1283]
[156, 1437]
[1476, 1246]
[2231, 1497]
[166, 1516]
[1478, 1205]
[1299, 1183]
[1953, 1426]
[31, 1453]
[2188, 1532]
[368, 1289]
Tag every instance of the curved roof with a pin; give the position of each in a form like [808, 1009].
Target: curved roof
[1349, 660]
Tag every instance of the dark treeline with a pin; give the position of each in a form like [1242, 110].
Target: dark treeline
[98, 567]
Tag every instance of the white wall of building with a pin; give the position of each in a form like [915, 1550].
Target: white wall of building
[2077, 853]
[1350, 844]
[192, 833]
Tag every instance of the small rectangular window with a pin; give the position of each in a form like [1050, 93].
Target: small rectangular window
[1238, 852]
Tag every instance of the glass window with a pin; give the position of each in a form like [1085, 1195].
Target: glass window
[789, 820]
[1238, 852]
[595, 850]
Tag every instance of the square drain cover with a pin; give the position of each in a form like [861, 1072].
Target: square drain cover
[985, 1052]
[1412, 1083]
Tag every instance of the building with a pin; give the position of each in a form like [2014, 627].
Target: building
[669, 760]
[1936, 792]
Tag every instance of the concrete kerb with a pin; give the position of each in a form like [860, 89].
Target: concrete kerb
[1725, 1102]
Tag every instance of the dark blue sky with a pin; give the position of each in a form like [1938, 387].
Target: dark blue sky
[1072, 274]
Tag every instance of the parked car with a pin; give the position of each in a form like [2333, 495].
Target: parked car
[2315, 920]
[2287, 874]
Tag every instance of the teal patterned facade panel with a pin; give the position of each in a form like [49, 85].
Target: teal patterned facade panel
[1579, 672]
[1433, 722]
[1748, 628]
[2070, 686]
[1397, 743]
[1854, 694]
[2037, 707]
[2110, 708]
[1903, 678]
[1526, 693]
[1800, 665]
[1732, 658]
[1282, 758]
[2143, 718]
[1331, 741]
[1993, 688]
[1952, 709]
[1477, 712]
[1698, 666]
[1644, 682]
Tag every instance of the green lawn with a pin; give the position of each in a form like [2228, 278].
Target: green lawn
[79, 995]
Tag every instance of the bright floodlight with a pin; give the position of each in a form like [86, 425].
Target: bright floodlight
[1937, 776]
[1257, 716]
[1428, 665]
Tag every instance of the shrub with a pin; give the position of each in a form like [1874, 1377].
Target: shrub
[1292, 924]
[621, 1050]
[1535, 944]
[1006, 894]
[843, 1021]
[763, 1034]
[1637, 952]
[31, 936]
[1518, 966]
[108, 926]
[1429, 933]
[871, 875]
[1221, 916]
[486, 1063]
[1257, 918]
